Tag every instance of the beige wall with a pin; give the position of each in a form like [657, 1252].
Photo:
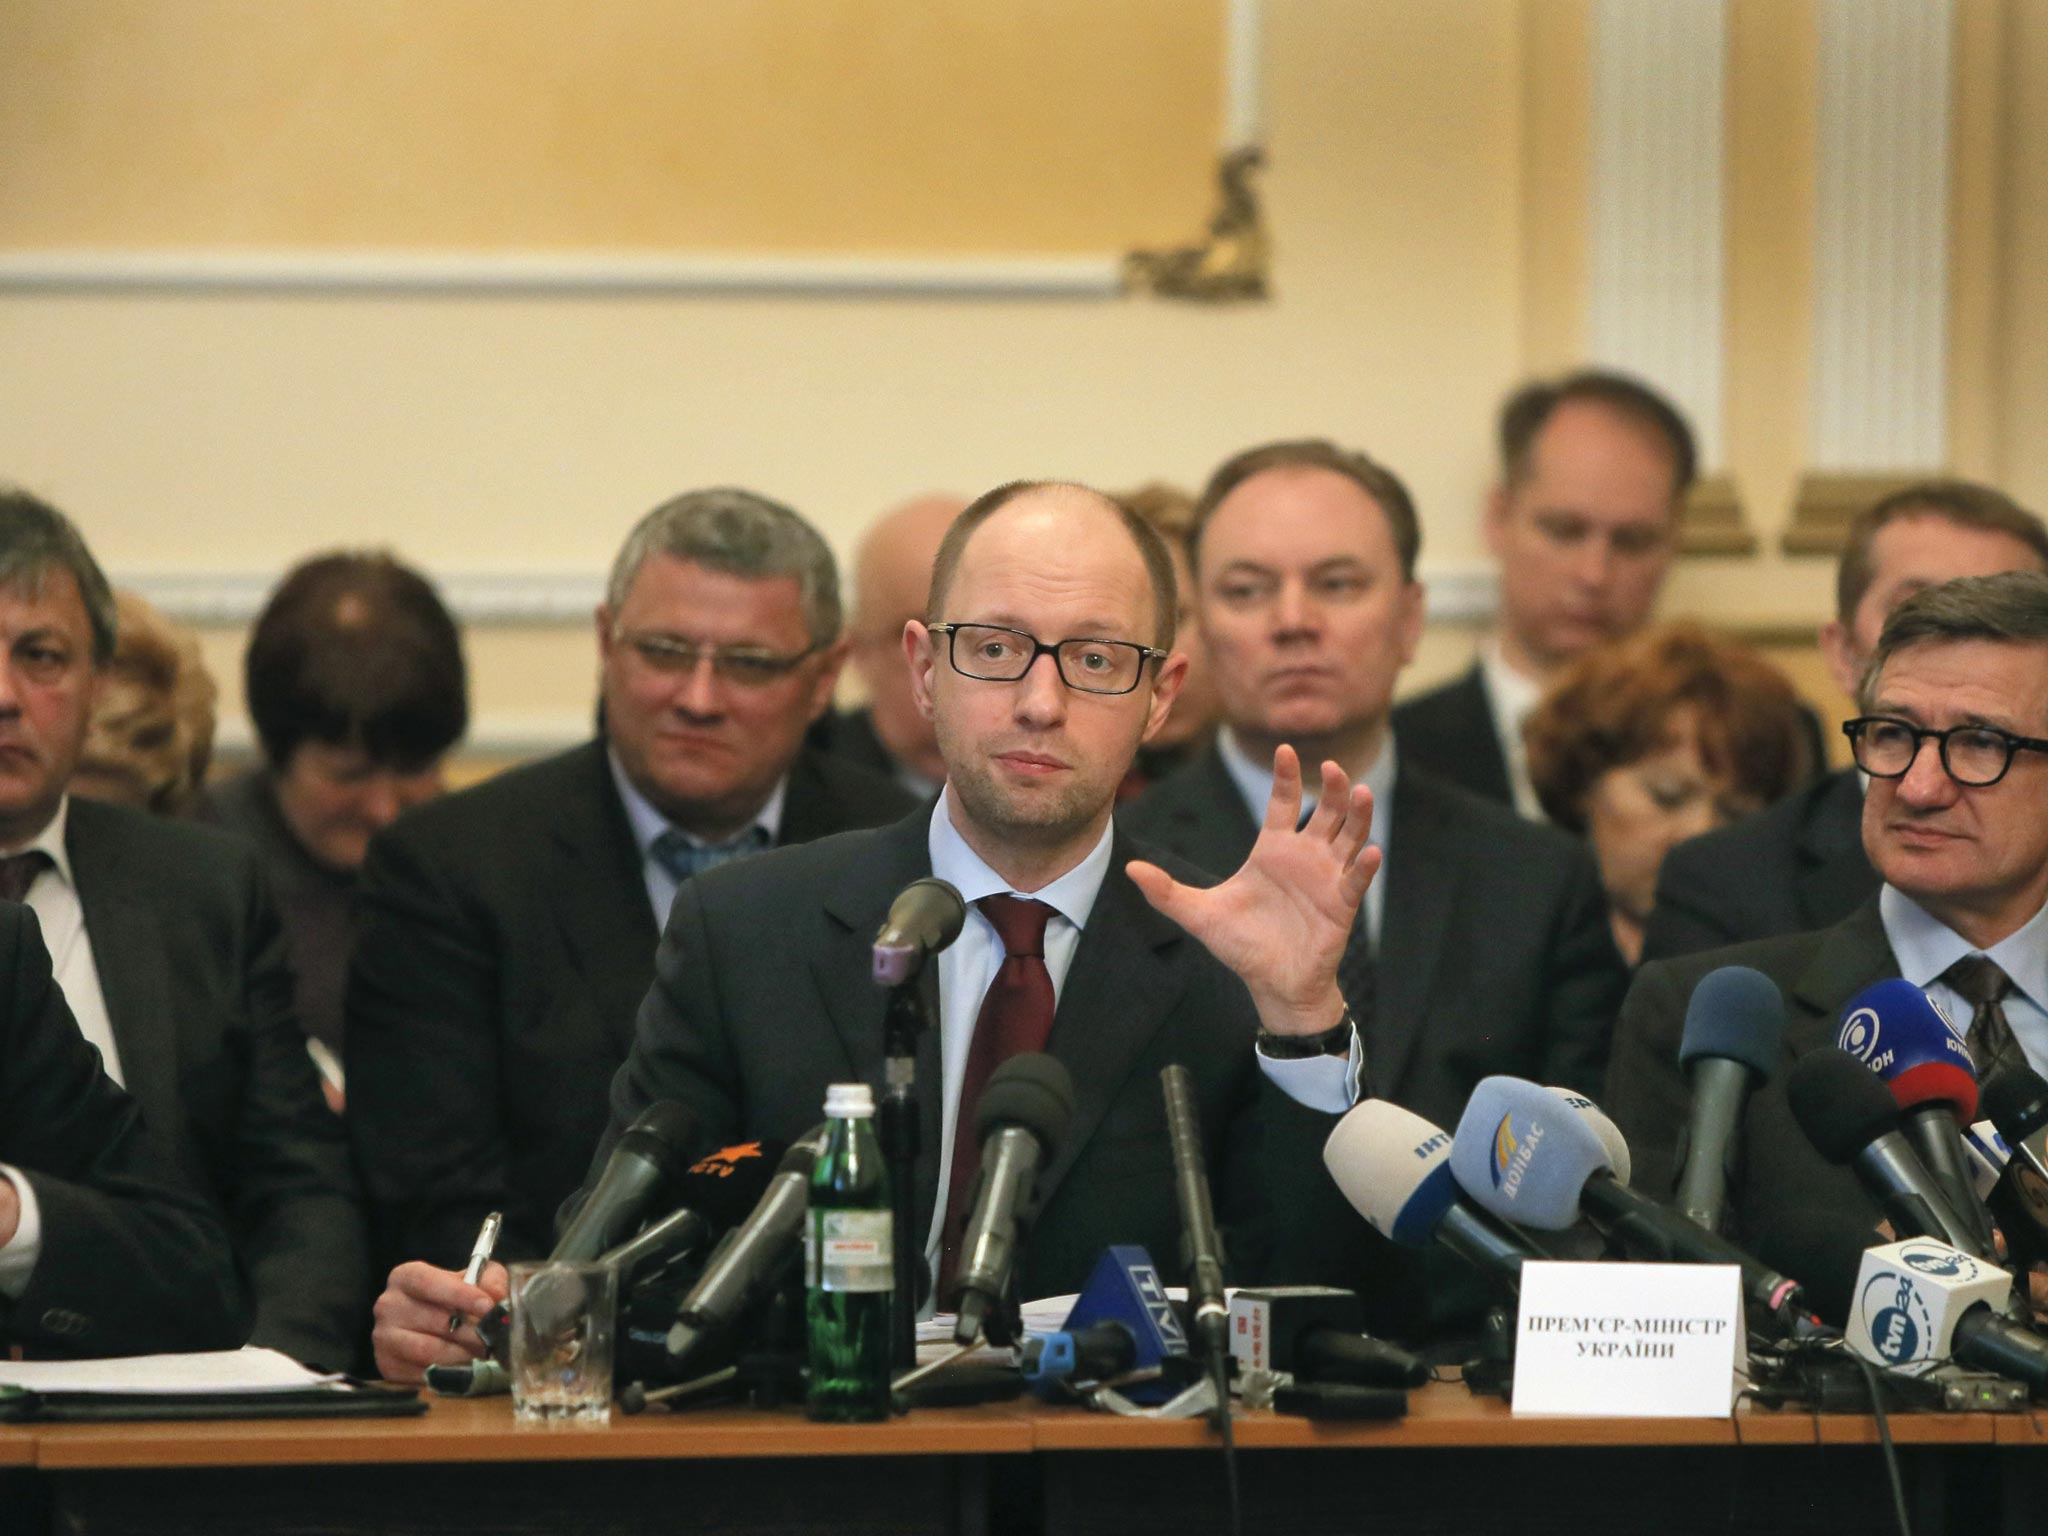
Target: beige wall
[1422, 195]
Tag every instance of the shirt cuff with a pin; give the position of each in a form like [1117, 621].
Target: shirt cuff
[1327, 1083]
[19, 1253]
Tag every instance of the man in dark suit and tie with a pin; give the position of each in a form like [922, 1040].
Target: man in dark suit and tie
[1954, 738]
[1800, 864]
[508, 931]
[1044, 659]
[102, 1250]
[1484, 946]
[171, 957]
[1584, 521]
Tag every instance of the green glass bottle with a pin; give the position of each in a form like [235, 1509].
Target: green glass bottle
[849, 1264]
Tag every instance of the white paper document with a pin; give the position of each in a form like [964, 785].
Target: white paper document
[212, 1371]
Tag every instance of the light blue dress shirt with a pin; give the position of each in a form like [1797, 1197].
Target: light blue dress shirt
[1924, 946]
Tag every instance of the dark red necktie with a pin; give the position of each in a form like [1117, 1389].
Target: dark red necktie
[18, 872]
[1015, 1018]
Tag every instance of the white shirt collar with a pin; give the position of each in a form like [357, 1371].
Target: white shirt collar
[648, 823]
[51, 841]
[1925, 946]
[1072, 895]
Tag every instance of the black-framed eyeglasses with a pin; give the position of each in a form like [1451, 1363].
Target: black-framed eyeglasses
[1973, 755]
[991, 653]
[745, 666]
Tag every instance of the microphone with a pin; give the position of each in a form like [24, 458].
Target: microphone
[645, 1161]
[1121, 1323]
[1853, 1121]
[1920, 1300]
[1619, 1163]
[712, 1195]
[747, 1259]
[1202, 1247]
[2016, 1101]
[922, 920]
[1734, 1030]
[1526, 1156]
[1896, 1031]
[1023, 1118]
[1394, 1168]
[1314, 1333]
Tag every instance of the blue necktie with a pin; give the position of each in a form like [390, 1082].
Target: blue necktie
[683, 858]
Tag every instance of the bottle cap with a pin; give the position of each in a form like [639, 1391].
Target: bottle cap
[849, 1101]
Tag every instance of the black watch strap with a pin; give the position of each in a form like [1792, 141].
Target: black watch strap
[1335, 1041]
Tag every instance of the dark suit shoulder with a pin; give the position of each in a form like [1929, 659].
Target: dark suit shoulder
[530, 791]
[829, 793]
[136, 847]
[1449, 730]
[1796, 865]
[1477, 819]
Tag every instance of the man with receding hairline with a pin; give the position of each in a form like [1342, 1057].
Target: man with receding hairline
[1583, 521]
[1044, 659]
[891, 572]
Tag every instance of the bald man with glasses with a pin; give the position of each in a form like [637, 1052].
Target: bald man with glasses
[508, 931]
[1953, 736]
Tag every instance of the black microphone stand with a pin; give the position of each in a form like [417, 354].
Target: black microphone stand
[912, 1009]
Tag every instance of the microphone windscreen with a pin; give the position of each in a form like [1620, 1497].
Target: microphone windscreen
[726, 1185]
[1895, 1030]
[1619, 1162]
[1523, 1154]
[1394, 1167]
[1738, 1014]
[2016, 1101]
[1840, 1106]
[1033, 1091]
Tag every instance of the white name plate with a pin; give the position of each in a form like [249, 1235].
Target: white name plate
[1630, 1341]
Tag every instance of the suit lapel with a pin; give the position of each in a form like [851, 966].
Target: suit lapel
[1421, 887]
[1481, 743]
[1851, 955]
[1212, 827]
[1125, 978]
[599, 893]
[128, 953]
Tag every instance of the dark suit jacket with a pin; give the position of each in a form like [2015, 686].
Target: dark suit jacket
[191, 961]
[1792, 868]
[1783, 1191]
[1449, 732]
[132, 1259]
[850, 733]
[751, 1048]
[1495, 953]
[506, 943]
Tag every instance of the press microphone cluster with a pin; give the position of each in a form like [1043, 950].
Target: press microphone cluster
[1527, 1156]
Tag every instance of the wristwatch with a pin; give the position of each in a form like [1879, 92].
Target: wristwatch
[1335, 1041]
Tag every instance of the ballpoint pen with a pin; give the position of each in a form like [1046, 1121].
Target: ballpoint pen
[479, 1256]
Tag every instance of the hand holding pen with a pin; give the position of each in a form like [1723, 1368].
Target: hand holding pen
[479, 1256]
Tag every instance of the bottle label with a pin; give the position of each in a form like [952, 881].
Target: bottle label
[850, 1251]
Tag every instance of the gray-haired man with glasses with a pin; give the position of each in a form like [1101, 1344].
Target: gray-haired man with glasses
[1953, 735]
[509, 930]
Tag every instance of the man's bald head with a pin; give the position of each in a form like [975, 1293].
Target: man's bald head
[1151, 548]
[892, 569]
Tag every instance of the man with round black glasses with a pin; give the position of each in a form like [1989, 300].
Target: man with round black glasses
[1954, 738]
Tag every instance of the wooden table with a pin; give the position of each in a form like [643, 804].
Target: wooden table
[1455, 1464]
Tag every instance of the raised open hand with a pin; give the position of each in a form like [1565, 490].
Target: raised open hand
[1281, 921]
